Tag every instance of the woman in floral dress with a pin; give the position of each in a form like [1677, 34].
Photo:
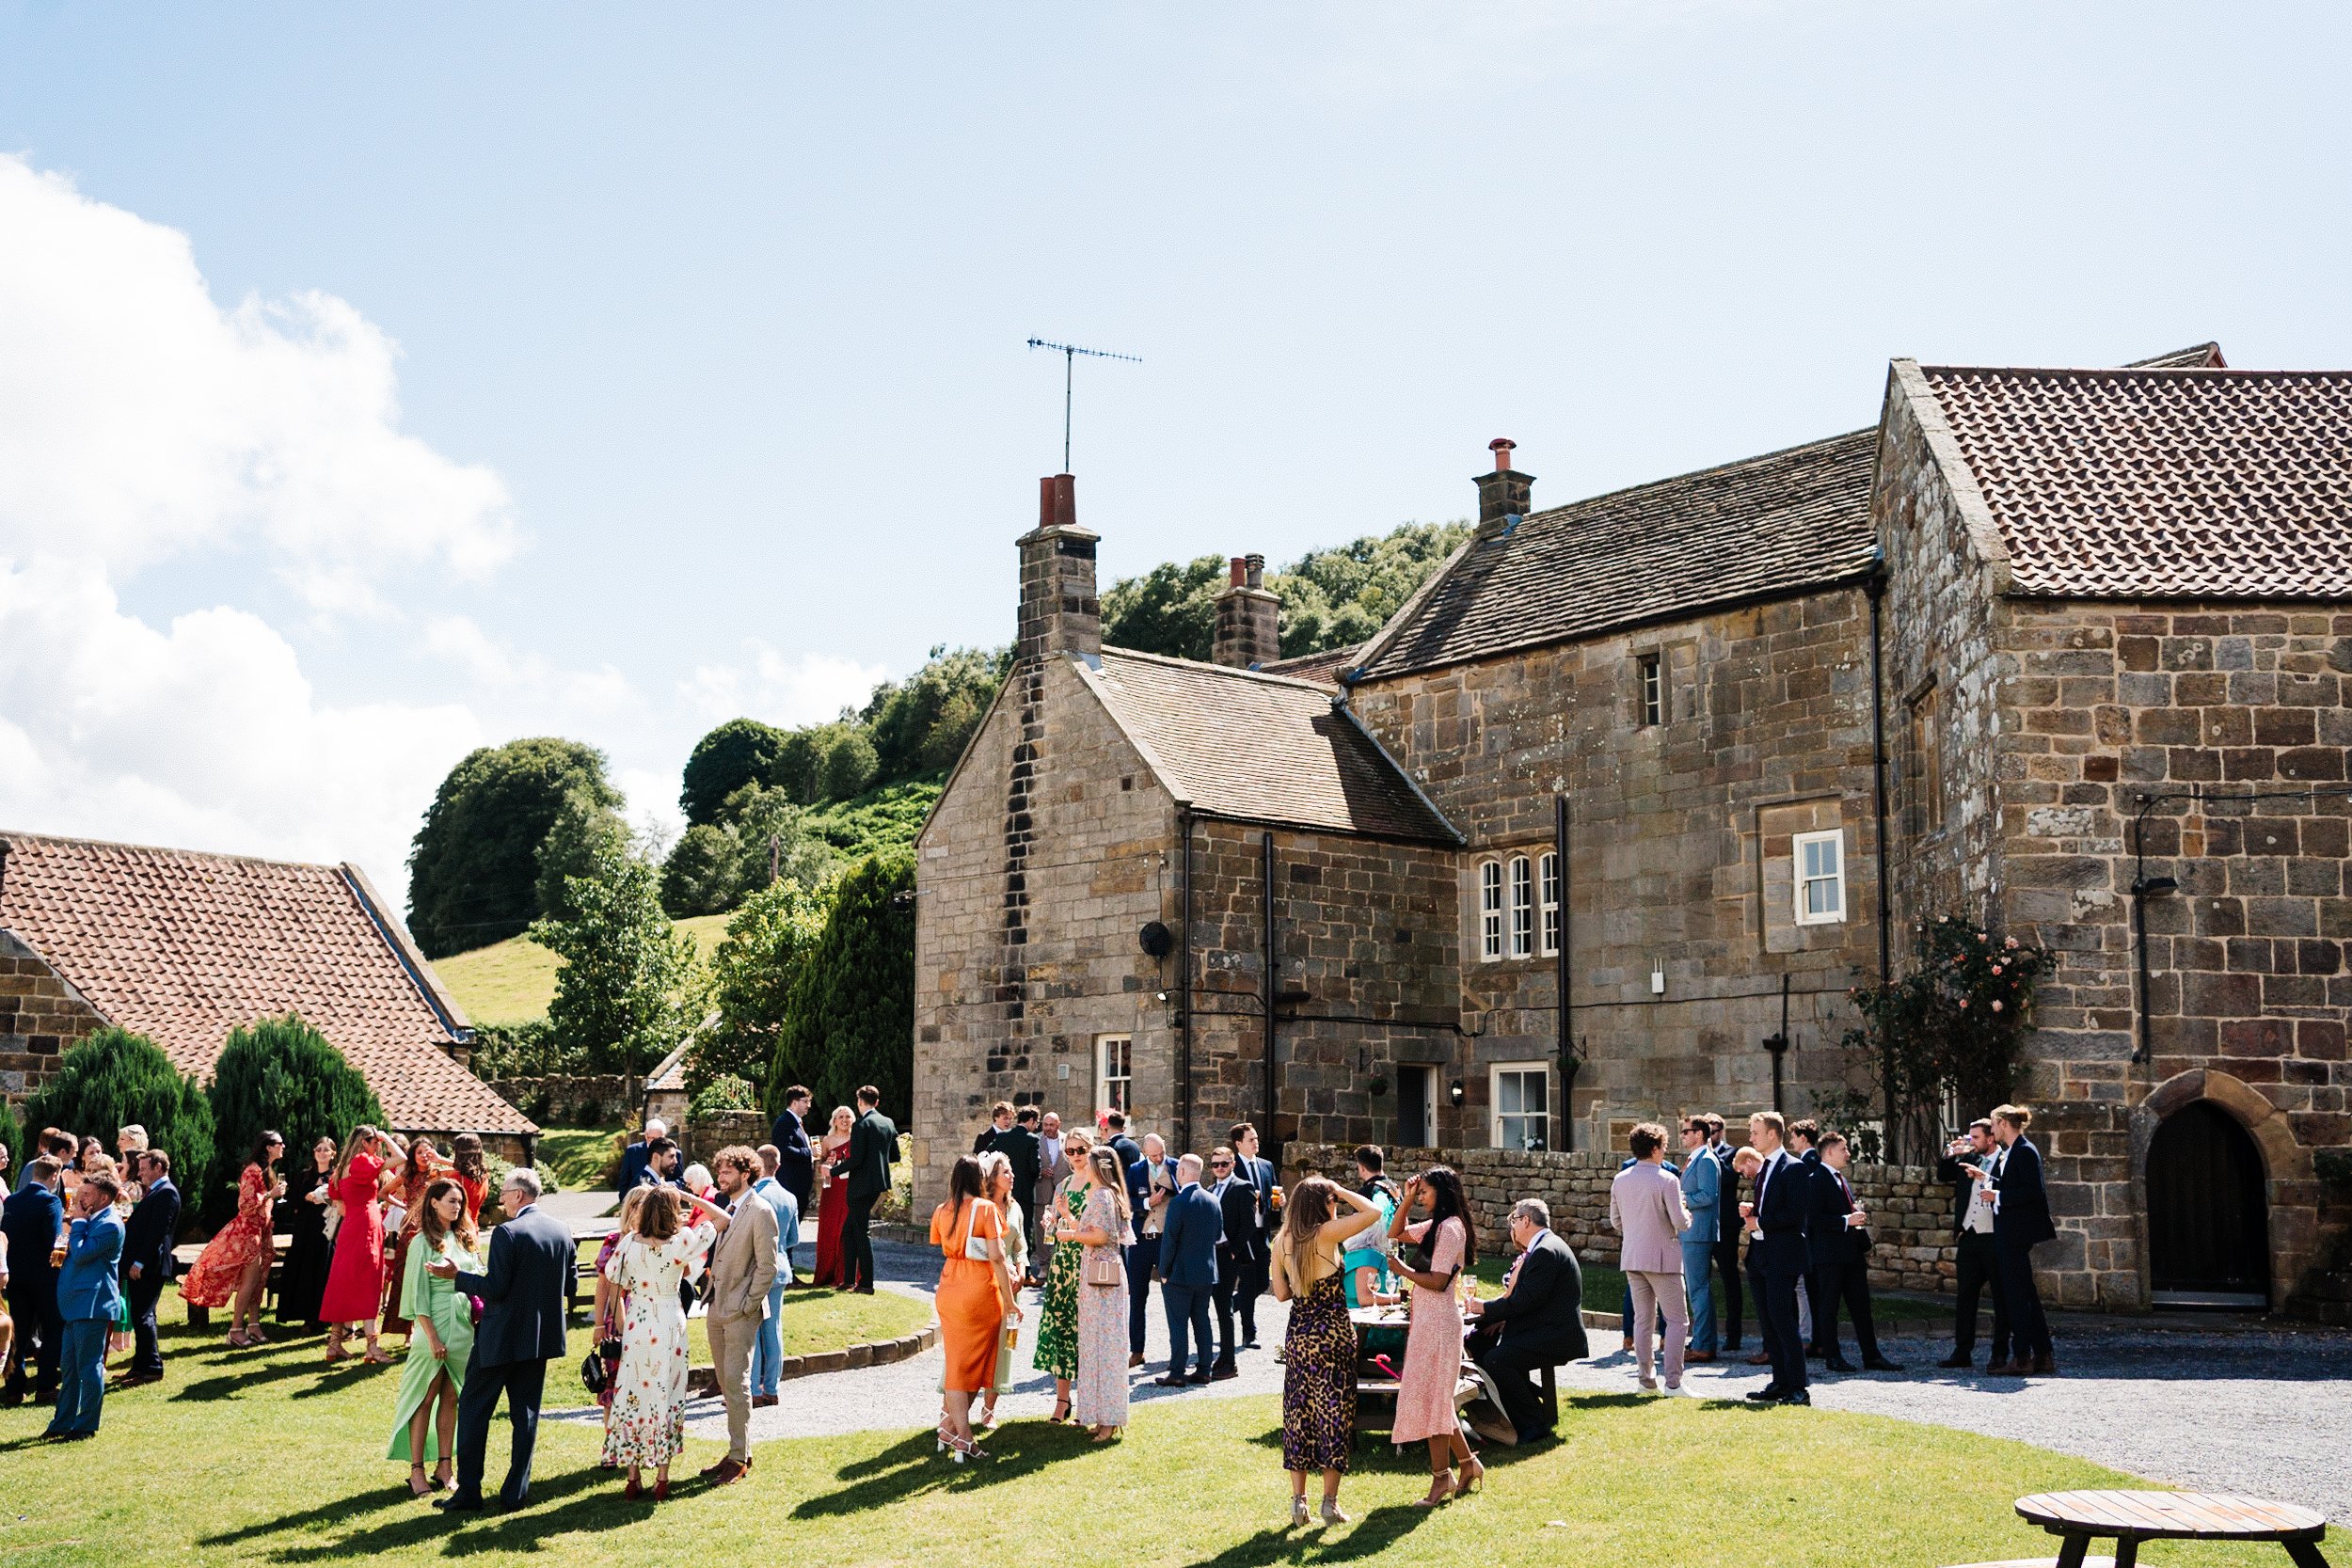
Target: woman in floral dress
[1319, 1346]
[1433, 1348]
[646, 1422]
[1056, 1349]
[234, 1265]
[1100, 1392]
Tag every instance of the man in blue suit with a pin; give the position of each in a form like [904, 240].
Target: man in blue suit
[1151, 1182]
[521, 1330]
[31, 1219]
[87, 1298]
[146, 1262]
[1187, 1259]
[1702, 1193]
[1777, 1256]
[2020, 1222]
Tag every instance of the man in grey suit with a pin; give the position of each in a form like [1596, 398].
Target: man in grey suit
[522, 1330]
[1053, 1170]
[742, 1266]
[873, 1147]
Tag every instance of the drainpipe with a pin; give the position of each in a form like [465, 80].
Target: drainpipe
[1565, 1044]
[1874, 586]
[1183, 985]
[1273, 1139]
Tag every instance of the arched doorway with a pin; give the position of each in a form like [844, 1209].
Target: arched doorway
[2208, 1212]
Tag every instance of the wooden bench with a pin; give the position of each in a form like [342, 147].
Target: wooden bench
[2078, 1518]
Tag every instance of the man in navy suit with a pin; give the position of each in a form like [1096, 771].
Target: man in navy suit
[1151, 1182]
[147, 1262]
[88, 1295]
[1259, 1174]
[2020, 1222]
[1239, 1248]
[522, 1329]
[1776, 1220]
[1187, 1259]
[31, 1218]
[796, 1162]
[638, 1156]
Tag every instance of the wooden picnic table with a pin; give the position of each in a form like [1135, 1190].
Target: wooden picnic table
[2132, 1517]
[184, 1255]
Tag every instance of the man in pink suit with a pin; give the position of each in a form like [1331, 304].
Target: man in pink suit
[1645, 1208]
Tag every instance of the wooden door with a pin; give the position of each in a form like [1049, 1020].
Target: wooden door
[1416, 1107]
[2208, 1212]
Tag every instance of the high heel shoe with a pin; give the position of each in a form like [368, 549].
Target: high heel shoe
[1298, 1510]
[441, 1476]
[1440, 1490]
[1331, 1514]
[662, 1490]
[1472, 1473]
[634, 1490]
[418, 1485]
[1061, 1410]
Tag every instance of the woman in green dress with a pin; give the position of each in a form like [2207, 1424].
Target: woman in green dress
[1057, 1299]
[425, 1427]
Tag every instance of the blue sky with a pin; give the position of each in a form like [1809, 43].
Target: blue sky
[710, 391]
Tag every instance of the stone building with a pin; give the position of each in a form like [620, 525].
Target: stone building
[182, 947]
[1696, 757]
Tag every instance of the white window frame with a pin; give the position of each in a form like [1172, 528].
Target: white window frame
[1801, 882]
[1114, 1090]
[1489, 910]
[1548, 903]
[1653, 694]
[1523, 907]
[1496, 1116]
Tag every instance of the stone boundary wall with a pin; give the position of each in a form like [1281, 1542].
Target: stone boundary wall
[585, 1101]
[704, 1378]
[1910, 1210]
[704, 1136]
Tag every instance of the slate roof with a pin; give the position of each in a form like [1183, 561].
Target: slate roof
[1260, 748]
[182, 947]
[1323, 667]
[2160, 484]
[1783, 522]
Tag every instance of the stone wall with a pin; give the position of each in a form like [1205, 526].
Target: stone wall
[1911, 1213]
[1680, 851]
[704, 1136]
[42, 1018]
[561, 1100]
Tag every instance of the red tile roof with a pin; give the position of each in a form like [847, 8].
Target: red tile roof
[2161, 483]
[182, 947]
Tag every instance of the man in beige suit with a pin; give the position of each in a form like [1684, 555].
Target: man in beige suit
[742, 1266]
[1645, 1208]
[1053, 1170]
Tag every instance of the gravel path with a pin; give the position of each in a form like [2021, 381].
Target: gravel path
[2268, 1414]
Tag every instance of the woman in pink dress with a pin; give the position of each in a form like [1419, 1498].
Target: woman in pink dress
[355, 1282]
[234, 1264]
[1448, 1243]
[835, 1206]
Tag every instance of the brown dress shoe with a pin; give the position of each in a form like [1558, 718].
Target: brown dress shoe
[1703, 1356]
[727, 1472]
[2043, 1365]
[1759, 1359]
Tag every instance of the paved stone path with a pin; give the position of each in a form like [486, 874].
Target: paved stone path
[2268, 1414]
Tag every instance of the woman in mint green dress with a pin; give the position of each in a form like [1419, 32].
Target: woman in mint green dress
[425, 1427]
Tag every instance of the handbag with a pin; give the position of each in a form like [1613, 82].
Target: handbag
[1103, 1269]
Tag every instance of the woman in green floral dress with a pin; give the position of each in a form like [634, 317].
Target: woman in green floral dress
[1058, 1311]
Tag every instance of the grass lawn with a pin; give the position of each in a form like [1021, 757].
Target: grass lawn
[582, 1158]
[267, 1456]
[513, 981]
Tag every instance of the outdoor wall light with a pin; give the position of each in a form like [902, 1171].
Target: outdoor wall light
[1454, 1093]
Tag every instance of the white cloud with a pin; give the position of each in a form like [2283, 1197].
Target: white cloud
[205, 736]
[806, 688]
[139, 420]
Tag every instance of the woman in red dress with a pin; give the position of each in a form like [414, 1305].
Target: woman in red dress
[423, 1168]
[355, 1282]
[234, 1265]
[835, 1205]
[471, 1172]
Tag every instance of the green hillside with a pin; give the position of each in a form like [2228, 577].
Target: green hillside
[513, 981]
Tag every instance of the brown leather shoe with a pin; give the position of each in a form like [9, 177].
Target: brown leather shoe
[727, 1472]
[2043, 1365]
[1700, 1358]
[761, 1401]
[1759, 1359]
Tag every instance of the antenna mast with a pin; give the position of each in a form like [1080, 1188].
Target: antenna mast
[1069, 353]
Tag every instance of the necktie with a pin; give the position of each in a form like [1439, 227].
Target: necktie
[1844, 1187]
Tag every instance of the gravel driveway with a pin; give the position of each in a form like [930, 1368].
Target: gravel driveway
[2253, 1411]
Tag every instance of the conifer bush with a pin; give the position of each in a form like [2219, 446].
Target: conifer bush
[280, 1075]
[114, 1079]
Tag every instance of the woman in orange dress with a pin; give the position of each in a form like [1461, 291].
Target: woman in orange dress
[422, 1168]
[234, 1265]
[975, 1297]
[355, 1282]
[471, 1172]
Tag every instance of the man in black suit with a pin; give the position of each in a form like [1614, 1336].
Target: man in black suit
[873, 1145]
[522, 1329]
[796, 1163]
[1115, 1129]
[999, 1120]
[1777, 1252]
[1539, 1321]
[1021, 1147]
[1259, 1174]
[31, 1218]
[154, 1224]
[1967, 1166]
[1841, 1243]
[2020, 1222]
[1240, 1251]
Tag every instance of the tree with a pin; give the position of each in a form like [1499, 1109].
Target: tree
[851, 1017]
[919, 726]
[761, 837]
[755, 970]
[281, 1076]
[114, 1079]
[473, 865]
[704, 873]
[739, 752]
[850, 765]
[632, 987]
[584, 828]
[1170, 609]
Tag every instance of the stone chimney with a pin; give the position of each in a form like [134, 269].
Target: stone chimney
[1249, 618]
[1060, 613]
[1503, 492]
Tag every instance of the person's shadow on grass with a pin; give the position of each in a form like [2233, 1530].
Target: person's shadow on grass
[404, 1538]
[914, 1465]
[1370, 1535]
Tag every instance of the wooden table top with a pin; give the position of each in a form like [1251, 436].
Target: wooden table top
[2174, 1515]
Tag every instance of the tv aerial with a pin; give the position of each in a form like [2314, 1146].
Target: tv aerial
[1069, 353]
